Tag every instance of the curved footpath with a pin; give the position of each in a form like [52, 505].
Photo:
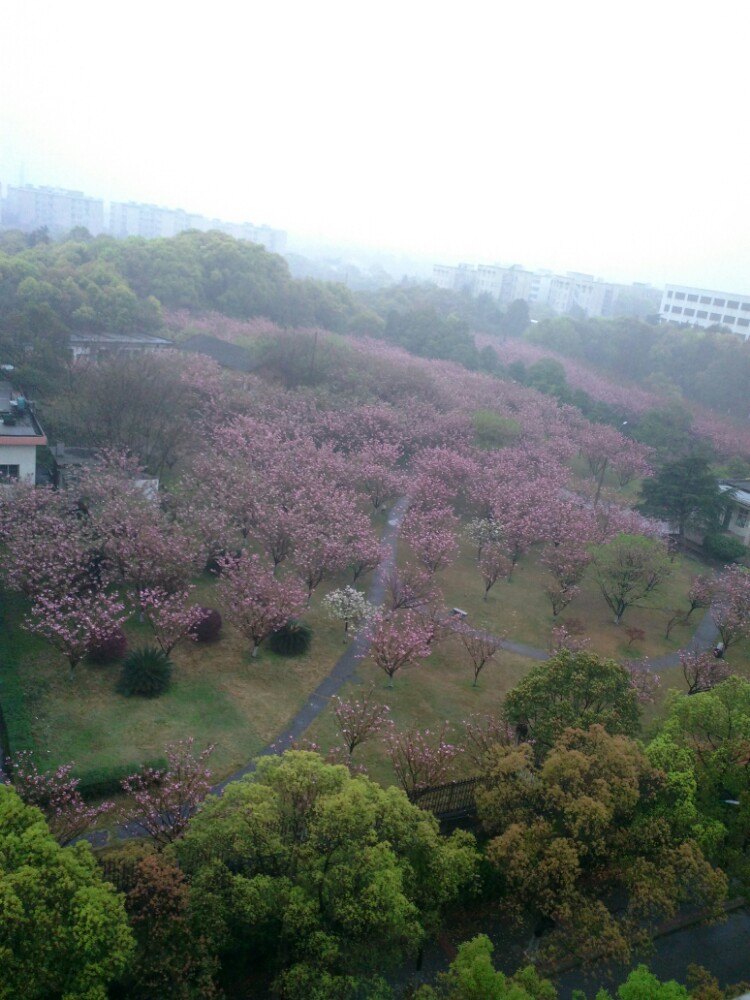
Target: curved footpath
[346, 666]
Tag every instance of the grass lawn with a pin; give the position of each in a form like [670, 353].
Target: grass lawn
[522, 610]
[433, 691]
[219, 694]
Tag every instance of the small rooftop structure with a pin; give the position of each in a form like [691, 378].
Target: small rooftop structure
[20, 435]
[93, 345]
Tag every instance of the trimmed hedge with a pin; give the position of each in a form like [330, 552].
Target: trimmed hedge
[209, 626]
[108, 649]
[101, 782]
[17, 731]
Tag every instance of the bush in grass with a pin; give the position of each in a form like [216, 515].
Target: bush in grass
[723, 547]
[209, 626]
[292, 640]
[108, 648]
[146, 672]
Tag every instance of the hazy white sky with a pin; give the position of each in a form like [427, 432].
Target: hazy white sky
[608, 137]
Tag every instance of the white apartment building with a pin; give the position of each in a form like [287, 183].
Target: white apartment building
[704, 307]
[570, 293]
[152, 222]
[28, 208]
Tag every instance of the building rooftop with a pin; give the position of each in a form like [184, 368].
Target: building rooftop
[18, 420]
[118, 338]
[741, 488]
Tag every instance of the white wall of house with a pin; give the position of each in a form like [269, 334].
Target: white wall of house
[22, 455]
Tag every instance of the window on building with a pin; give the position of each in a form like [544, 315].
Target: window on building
[716, 317]
[666, 309]
[676, 309]
[692, 298]
[745, 307]
[705, 300]
[741, 518]
[669, 295]
[729, 319]
[690, 312]
[733, 305]
[702, 314]
[10, 471]
[743, 322]
[679, 295]
[720, 302]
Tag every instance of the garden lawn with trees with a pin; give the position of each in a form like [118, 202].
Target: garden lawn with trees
[341, 496]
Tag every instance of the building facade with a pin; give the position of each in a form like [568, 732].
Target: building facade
[20, 436]
[153, 221]
[28, 208]
[704, 307]
[571, 293]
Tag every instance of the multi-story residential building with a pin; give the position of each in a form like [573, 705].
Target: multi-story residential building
[149, 221]
[568, 294]
[28, 208]
[704, 307]
[152, 221]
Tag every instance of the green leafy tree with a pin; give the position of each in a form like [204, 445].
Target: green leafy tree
[472, 976]
[582, 848]
[315, 869]
[629, 569]
[685, 493]
[516, 318]
[63, 929]
[643, 985]
[572, 689]
[704, 748]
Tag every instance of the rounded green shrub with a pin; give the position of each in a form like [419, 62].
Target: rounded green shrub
[207, 628]
[145, 672]
[293, 639]
[723, 547]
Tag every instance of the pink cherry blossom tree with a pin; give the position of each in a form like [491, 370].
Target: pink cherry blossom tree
[170, 616]
[410, 587]
[731, 607]
[162, 800]
[360, 720]
[480, 648]
[644, 681]
[56, 794]
[431, 533]
[399, 639]
[421, 758]
[483, 732]
[72, 622]
[493, 564]
[702, 670]
[256, 601]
